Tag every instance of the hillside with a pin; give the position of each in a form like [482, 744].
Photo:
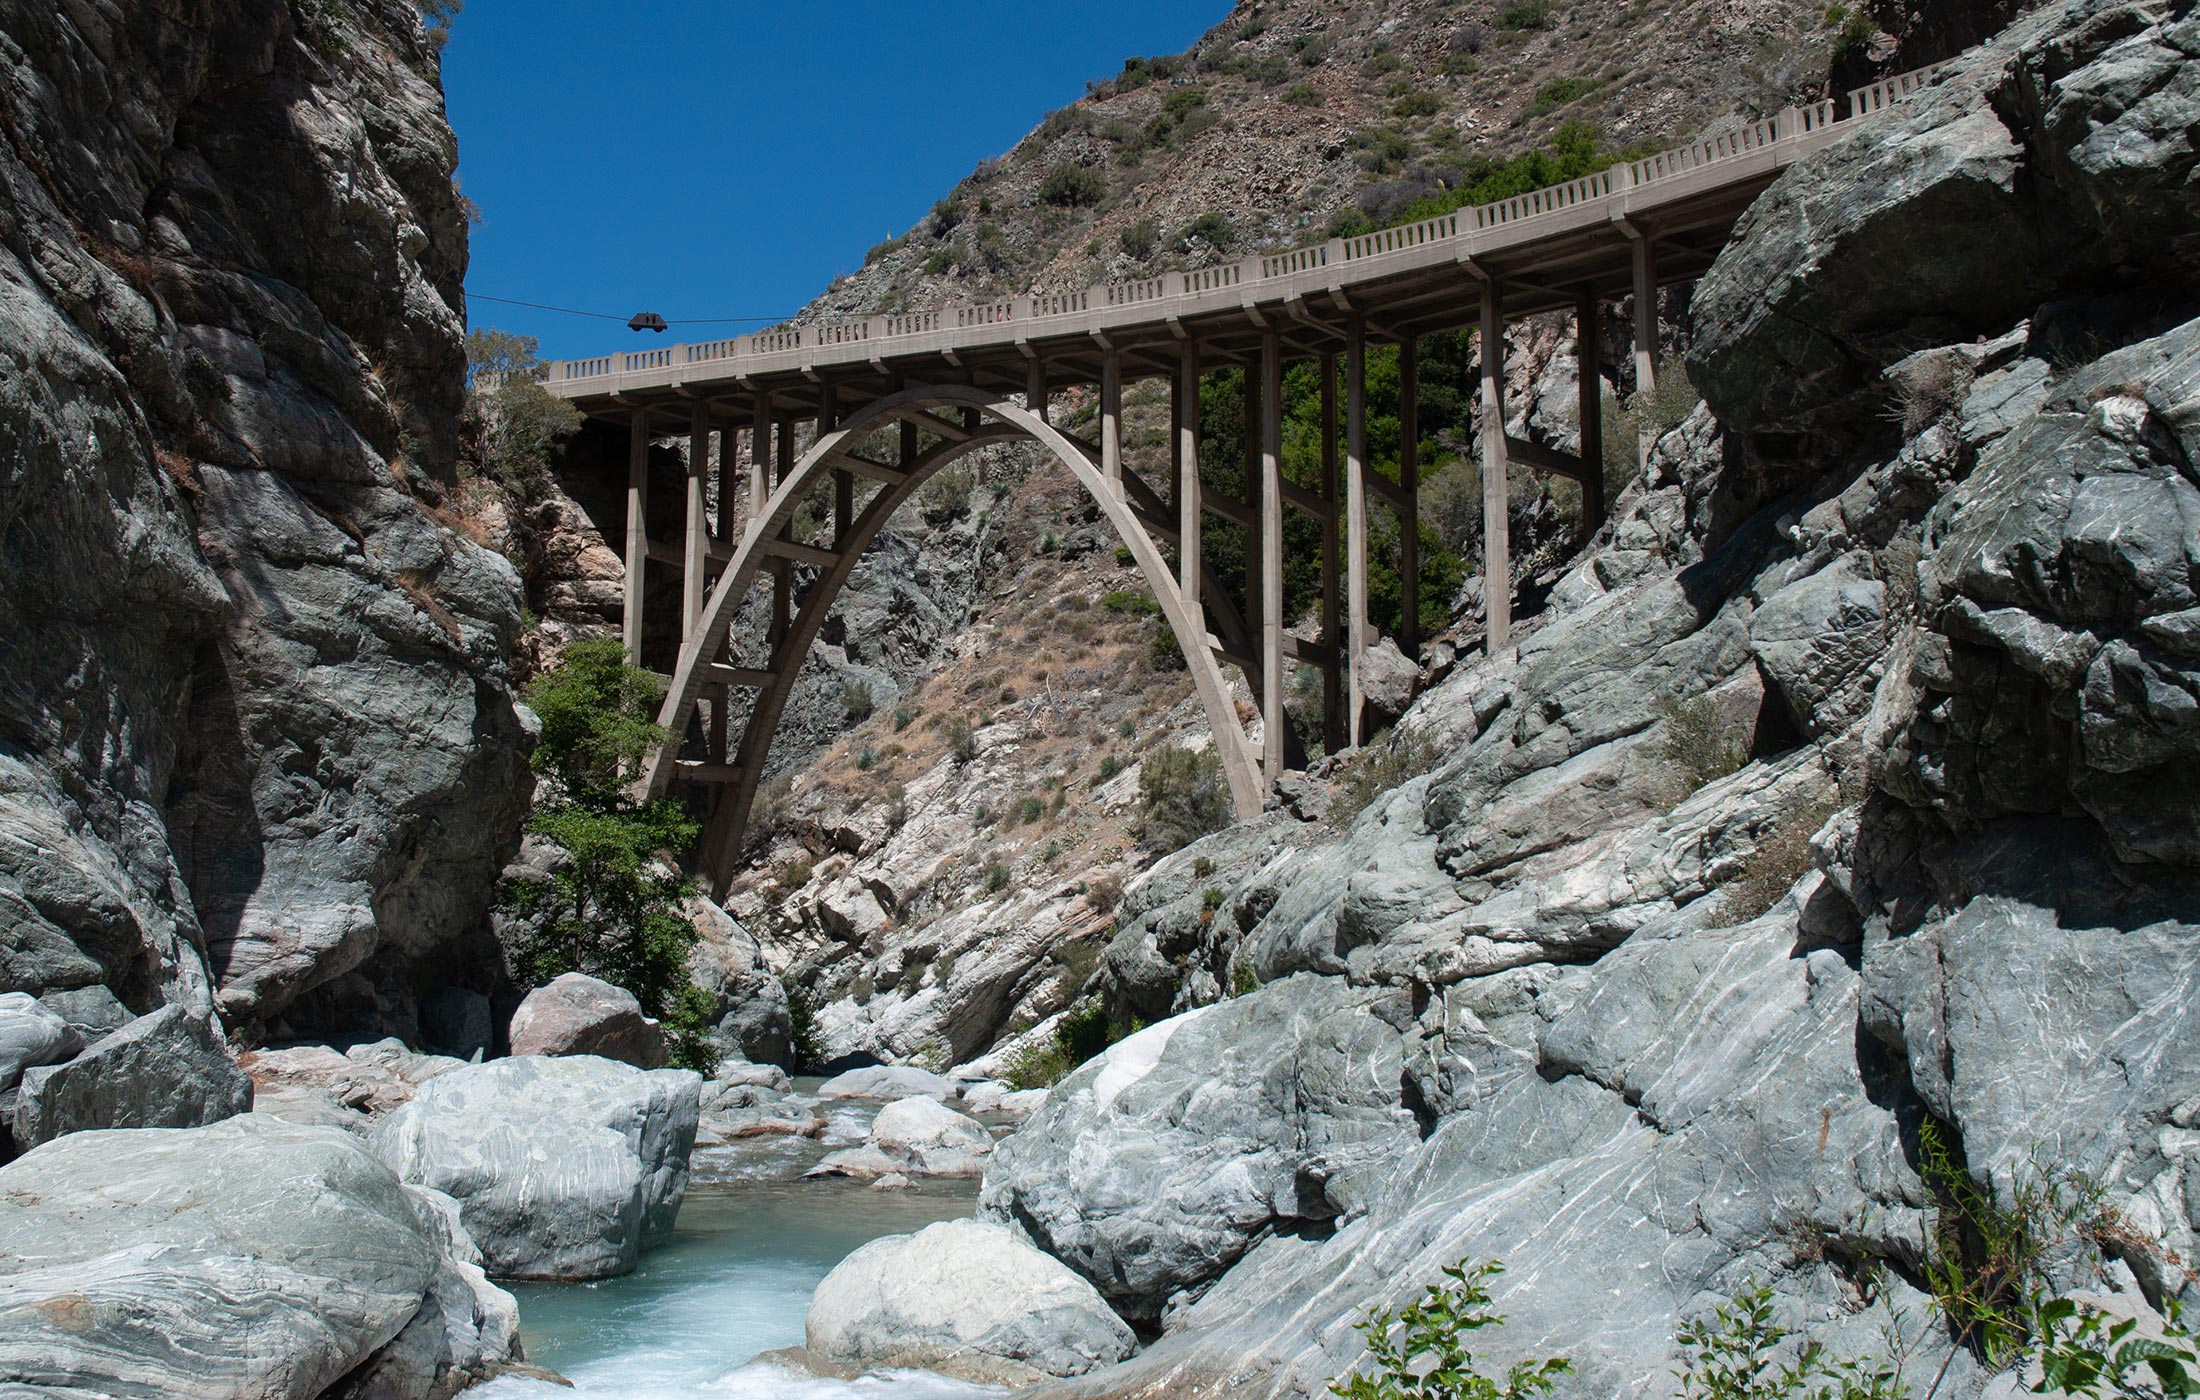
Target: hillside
[1294, 119]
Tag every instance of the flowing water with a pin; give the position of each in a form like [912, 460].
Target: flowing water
[734, 1280]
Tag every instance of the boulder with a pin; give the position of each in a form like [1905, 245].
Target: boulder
[887, 1082]
[248, 1259]
[996, 1098]
[166, 1070]
[749, 1015]
[30, 1036]
[967, 1298]
[1388, 681]
[457, 1021]
[915, 1137]
[733, 1072]
[563, 1168]
[581, 1015]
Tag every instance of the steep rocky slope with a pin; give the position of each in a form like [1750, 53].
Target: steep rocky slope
[1839, 804]
[1293, 114]
[257, 746]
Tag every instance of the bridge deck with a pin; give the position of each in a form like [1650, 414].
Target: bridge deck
[1544, 248]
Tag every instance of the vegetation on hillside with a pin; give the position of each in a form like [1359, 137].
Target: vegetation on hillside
[611, 910]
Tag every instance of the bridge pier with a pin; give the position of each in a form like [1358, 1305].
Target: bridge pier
[637, 532]
[1355, 535]
[1496, 517]
[1643, 266]
[1273, 725]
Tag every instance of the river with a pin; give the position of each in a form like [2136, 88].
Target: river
[734, 1281]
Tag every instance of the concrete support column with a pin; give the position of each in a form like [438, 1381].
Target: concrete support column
[1355, 518]
[1190, 505]
[1646, 328]
[844, 481]
[1409, 498]
[1035, 388]
[729, 447]
[1589, 358]
[1496, 522]
[1332, 673]
[637, 533]
[783, 572]
[760, 454]
[1111, 419]
[1273, 723]
[1250, 430]
[695, 558]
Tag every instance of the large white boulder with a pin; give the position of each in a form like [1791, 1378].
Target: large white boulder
[887, 1082]
[252, 1258]
[563, 1168]
[967, 1298]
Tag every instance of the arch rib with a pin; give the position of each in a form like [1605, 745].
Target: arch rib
[1240, 765]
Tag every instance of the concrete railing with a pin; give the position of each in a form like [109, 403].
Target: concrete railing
[1742, 144]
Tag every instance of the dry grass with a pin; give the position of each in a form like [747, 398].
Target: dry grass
[421, 590]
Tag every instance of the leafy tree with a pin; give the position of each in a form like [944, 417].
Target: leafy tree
[1420, 1352]
[2084, 1351]
[612, 911]
[517, 423]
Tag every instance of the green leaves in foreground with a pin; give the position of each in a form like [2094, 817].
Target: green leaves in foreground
[1420, 1352]
[1736, 1354]
[2084, 1351]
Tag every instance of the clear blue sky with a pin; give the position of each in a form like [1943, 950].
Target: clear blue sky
[729, 159]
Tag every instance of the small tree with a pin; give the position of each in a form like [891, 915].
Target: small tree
[612, 911]
[1420, 1352]
[517, 422]
[1737, 1354]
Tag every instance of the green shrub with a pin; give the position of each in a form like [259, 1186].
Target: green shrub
[1130, 604]
[1696, 742]
[1417, 104]
[1528, 14]
[903, 718]
[1163, 651]
[1375, 769]
[961, 742]
[518, 423]
[867, 760]
[1140, 241]
[1736, 1354]
[1212, 228]
[802, 1033]
[1779, 860]
[1420, 1351]
[1559, 91]
[1072, 187]
[996, 877]
[1303, 95]
[855, 699]
[1110, 765]
[1030, 810]
[1203, 867]
[795, 873]
[612, 910]
[1180, 796]
[1083, 1032]
[2082, 1351]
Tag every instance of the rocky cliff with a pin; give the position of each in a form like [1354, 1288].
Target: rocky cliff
[258, 751]
[1838, 805]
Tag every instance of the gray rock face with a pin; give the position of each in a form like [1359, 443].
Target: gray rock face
[750, 1018]
[166, 1070]
[1156, 1166]
[562, 1168]
[2053, 160]
[247, 1259]
[259, 737]
[581, 1015]
[967, 1298]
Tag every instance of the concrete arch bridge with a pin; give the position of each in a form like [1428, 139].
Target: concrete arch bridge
[948, 382]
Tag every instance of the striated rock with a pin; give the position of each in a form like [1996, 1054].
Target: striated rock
[581, 1015]
[2054, 159]
[166, 1070]
[997, 1099]
[563, 1168]
[887, 1082]
[750, 1018]
[1155, 1166]
[31, 1035]
[243, 1260]
[967, 1298]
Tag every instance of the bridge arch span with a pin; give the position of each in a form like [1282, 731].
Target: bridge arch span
[987, 419]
